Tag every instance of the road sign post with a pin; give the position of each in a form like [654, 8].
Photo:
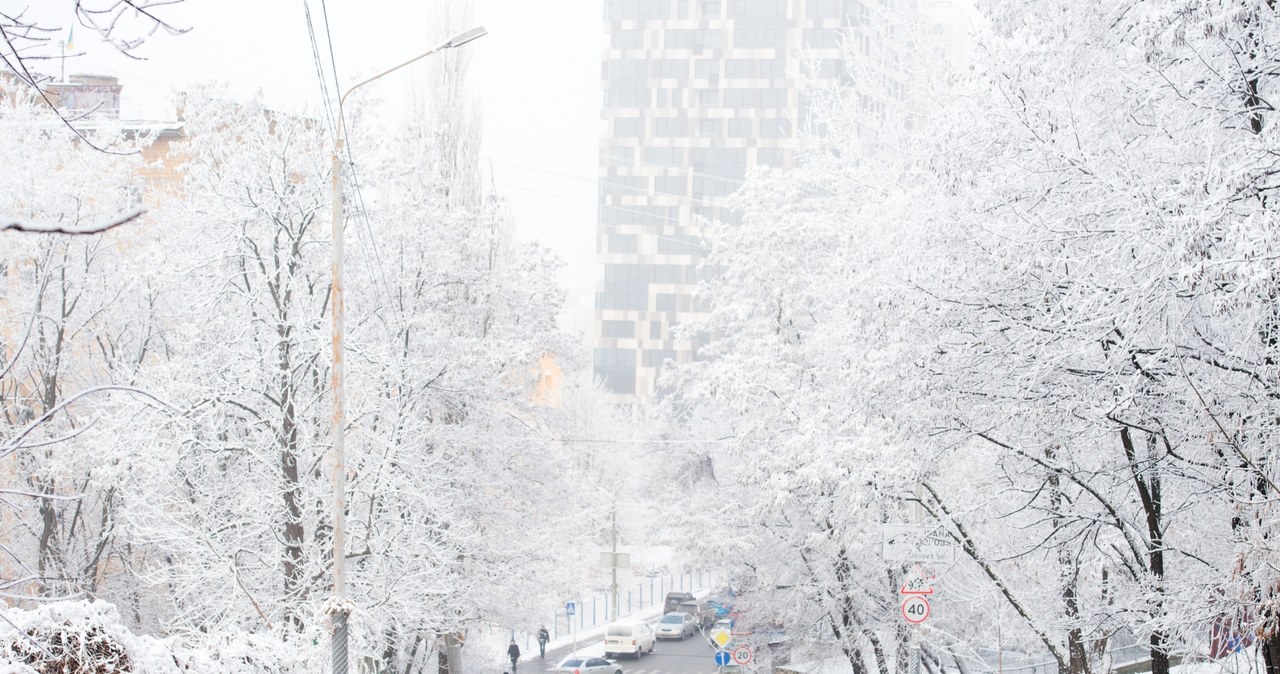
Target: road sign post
[569, 609]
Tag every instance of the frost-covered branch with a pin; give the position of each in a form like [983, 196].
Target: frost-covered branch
[58, 228]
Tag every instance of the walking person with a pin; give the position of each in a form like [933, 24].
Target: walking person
[513, 652]
[543, 638]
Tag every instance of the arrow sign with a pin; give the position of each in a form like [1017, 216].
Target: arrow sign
[722, 658]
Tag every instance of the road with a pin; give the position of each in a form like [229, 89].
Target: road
[694, 655]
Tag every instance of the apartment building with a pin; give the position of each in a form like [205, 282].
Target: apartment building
[696, 93]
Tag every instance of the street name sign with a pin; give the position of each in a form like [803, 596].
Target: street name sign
[915, 609]
[910, 543]
[609, 560]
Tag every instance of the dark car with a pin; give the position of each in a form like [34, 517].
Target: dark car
[674, 599]
[703, 614]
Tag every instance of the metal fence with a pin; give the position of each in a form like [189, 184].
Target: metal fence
[595, 609]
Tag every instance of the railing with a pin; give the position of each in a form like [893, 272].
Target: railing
[594, 609]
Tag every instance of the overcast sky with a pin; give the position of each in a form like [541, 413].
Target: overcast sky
[536, 76]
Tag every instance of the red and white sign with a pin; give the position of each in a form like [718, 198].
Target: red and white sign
[915, 609]
[916, 584]
[742, 655]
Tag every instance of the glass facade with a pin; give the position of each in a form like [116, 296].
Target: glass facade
[696, 93]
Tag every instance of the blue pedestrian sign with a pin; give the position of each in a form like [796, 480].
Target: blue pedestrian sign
[722, 657]
[568, 608]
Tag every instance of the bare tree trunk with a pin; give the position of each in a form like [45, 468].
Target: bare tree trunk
[1149, 491]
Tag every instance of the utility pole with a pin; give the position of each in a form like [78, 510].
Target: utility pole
[339, 606]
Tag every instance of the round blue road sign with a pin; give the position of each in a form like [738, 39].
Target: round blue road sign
[723, 657]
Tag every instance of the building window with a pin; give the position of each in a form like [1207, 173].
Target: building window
[709, 128]
[668, 127]
[617, 367]
[657, 357]
[618, 10]
[708, 98]
[664, 156]
[628, 127]
[770, 156]
[621, 156]
[669, 186]
[676, 69]
[822, 9]
[775, 128]
[623, 243]
[773, 69]
[617, 329]
[741, 127]
[627, 39]
[821, 38]
[705, 68]
[679, 245]
[665, 302]
[739, 68]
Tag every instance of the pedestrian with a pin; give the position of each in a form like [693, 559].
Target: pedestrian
[543, 638]
[513, 652]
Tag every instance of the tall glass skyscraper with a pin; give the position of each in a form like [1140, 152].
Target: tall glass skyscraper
[695, 93]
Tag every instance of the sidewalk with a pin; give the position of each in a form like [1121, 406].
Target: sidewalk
[486, 653]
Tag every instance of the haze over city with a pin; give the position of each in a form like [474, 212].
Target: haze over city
[639, 337]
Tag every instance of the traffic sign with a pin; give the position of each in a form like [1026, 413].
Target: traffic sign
[908, 543]
[721, 636]
[722, 658]
[915, 609]
[916, 584]
[568, 608]
[742, 655]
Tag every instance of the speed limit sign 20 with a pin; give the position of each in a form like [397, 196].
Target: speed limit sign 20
[915, 609]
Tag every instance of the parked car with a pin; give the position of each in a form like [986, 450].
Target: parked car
[702, 613]
[676, 626]
[674, 599]
[580, 665]
[628, 637]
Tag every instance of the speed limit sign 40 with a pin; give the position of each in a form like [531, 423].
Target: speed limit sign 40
[915, 609]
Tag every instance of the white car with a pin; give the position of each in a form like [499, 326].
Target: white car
[676, 626]
[633, 638]
[582, 665]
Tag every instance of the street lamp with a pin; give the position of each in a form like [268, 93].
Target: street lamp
[339, 608]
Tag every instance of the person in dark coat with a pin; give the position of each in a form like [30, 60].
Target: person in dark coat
[543, 638]
[513, 652]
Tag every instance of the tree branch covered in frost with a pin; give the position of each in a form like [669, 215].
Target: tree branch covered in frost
[125, 24]
[58, 228]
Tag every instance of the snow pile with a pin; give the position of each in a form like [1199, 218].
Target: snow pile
[89, 637]
[76, 637]
[244, 653]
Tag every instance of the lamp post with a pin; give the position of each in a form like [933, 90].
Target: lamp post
[339, 608]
